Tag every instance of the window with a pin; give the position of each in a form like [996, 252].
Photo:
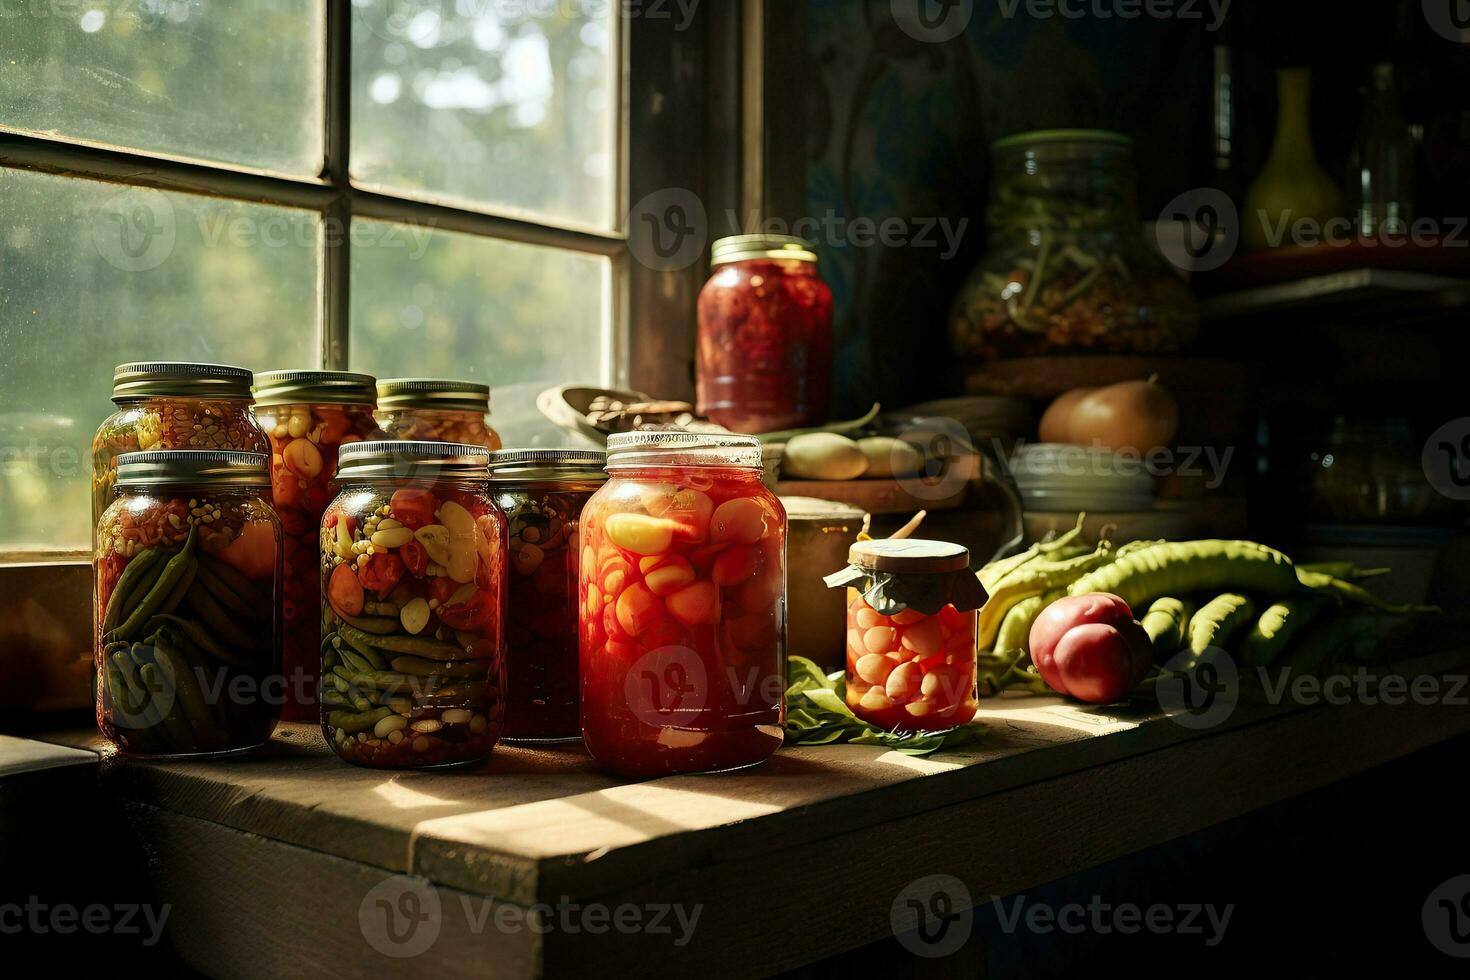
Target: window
[403, 187]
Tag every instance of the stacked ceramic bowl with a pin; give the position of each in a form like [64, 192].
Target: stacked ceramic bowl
[1056, 477]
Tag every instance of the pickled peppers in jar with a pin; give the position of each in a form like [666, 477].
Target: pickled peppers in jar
[542, 493]
[434, 410]
[911, 655]
[413, 606]
[186, 596]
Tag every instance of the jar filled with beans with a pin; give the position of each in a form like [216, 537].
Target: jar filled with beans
[436, 410]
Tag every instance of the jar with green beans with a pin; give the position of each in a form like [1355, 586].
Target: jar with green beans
[187, 587]
[1066, 268]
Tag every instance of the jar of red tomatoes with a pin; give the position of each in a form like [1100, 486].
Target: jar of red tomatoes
[764, 357]
[434, 410]
[542, 493]
[188, 626]
[307, 415]
[911, 657]
[682, 590]
[172, 405]
[413, 564]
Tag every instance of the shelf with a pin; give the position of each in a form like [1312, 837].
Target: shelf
[1367, 291]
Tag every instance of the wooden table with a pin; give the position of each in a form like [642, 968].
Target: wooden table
[284, 862]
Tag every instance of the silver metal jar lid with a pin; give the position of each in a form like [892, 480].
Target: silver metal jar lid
[194, 467]
[540, 465]
[778, 248]
[410, 460]
[179, 379]
[433, 393]
[668, 447]
[314, 388]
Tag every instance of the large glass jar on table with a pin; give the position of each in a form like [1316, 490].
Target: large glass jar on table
[308, 415]
[682, 591]
[542, 493]
[436, 410]
[764, 355]
[413, 607]
[1066, 268]
[186, 588]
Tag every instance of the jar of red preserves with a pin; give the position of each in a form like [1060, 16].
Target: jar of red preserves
[542, 493]
[413, 556]
[435, 410]
[764, 357]
[307, 415]
[682, 591]
[911, 657]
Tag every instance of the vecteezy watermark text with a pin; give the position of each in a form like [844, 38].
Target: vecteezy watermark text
[1102, 918]
[63, 919]
[1213, 12]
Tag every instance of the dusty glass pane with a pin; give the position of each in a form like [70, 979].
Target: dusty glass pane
[92, 274]
[440, 304]
[235, 83]
[502, 106]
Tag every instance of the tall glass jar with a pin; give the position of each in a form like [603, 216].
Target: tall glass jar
[1066, 268]
[911, 656]
[542, 492]
[172, 405]
[682, 587]
[308, 415]
[186, 596]
[434, 410]
[764, 356]
[413, 605]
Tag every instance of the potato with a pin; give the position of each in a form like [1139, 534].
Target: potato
[824, 456]
[890, 457]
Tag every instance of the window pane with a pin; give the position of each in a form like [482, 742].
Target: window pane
[441, 304]
[509, 107]
[92, 274]
[234, 83]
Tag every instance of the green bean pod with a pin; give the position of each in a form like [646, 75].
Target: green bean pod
[1217, 620]
[127, 583]
[175, 570]
[1015, 628]
[1273, 632]
[1035, 578]
[354, 722]
[1167, 622]
[419, 646]
[234, 579]
[1182, 567]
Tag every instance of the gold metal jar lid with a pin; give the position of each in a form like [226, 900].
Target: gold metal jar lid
[741, 248]
[434, 394]
[314, 388]
[194, 468]
[179, 379]
[914, 556]
[677, 447]
[411, 460]
[545, 465]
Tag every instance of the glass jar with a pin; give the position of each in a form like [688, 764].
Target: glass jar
[413, 564]
[542, 493]
[307, 416]
[172, 405]
[431, 410]
[682, 590]
[186, 604]
[1066, 268]
[911, 657]
[764, 358]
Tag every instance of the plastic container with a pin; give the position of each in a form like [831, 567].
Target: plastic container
[911, 657]
[1066, 268]
[307, 415]
[682, 586]
[433, 410]
[413, 566]
[186, 588]
[764, 357]
[542, 493]
[172, 405]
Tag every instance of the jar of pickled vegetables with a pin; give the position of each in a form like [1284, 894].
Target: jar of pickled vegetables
[1066, 268]
[542, 493]
[172, 405]
[186, 594]
[682, 591]
[308, 415]
[431, 410]
[911, 658]
[413, 600]
[764, 356]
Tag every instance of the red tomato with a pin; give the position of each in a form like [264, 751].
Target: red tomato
[472, 614]
[1088, 646]
[344, 591]
[441, 588]
[335, 425]
[414, 557]
[253, 552]
[413, 508]
[381, 573]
